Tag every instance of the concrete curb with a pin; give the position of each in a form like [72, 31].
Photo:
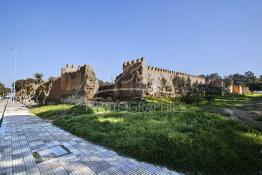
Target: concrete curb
[3, 113]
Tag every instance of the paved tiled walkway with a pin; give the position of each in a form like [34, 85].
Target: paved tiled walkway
[22, 134]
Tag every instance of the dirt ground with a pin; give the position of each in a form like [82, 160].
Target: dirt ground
[249, 113]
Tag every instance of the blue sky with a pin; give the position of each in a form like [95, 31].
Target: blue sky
[198, 37]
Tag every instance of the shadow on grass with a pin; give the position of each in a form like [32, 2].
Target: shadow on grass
[192, 141]
[58, 111]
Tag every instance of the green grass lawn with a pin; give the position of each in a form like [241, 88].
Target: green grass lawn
[187, 139]
[65, 110]
[229, 101]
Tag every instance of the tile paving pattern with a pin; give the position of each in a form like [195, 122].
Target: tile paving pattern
[22, 134]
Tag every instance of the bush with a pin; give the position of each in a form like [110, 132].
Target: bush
[210, 98]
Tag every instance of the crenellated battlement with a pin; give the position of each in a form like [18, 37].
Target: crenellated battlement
[78, 82]
[68, 69]
[171, 72]
[137, 62]
[140, 80]
[161, 70]
[72, 68]
[137, 80]
[133, 62]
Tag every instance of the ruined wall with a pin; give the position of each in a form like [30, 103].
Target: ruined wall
[105, 92]
[78, 84]
[160, 81]
[54, 95]
[245, 90]
[238, 89]
[129, 83]
[27, 92]
[217, 83]
[139, 80]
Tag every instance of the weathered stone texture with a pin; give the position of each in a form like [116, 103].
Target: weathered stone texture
[105, 91]
[139, 80]
[129, 83]
[55, 91]
[78, 84]
[27, 92]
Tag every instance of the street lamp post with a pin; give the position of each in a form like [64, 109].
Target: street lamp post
[14, 91]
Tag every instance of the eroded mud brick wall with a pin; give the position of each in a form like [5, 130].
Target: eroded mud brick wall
[55, 92]
[129, 84]
[78, 83]
[139, 80]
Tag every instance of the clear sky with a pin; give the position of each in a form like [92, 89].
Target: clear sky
[198, 37]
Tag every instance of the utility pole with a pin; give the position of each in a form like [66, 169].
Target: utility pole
[14, 91]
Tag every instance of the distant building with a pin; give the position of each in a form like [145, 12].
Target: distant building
[238, 89]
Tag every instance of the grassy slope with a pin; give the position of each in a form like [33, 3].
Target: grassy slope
[190, 140]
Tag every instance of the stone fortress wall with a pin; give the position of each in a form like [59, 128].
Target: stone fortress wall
[55, 92]
[139, 80]
[78, 84]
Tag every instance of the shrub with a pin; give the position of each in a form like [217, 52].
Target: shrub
[210, 98]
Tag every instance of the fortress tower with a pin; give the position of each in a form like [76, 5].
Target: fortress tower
[78, 84]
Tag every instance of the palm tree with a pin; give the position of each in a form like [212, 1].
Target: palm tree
[39, 77]
[51, 79]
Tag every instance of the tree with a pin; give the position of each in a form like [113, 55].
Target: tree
[250, 78]
[4, 90]
[195, 89]
[188, 84]
[179, 83]
[215, 76]
[260, 78]
[239, 79]
[39, 77]
[51, 79]
[211, 77]
[256, 85]
[228, 80]
[19, 84]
